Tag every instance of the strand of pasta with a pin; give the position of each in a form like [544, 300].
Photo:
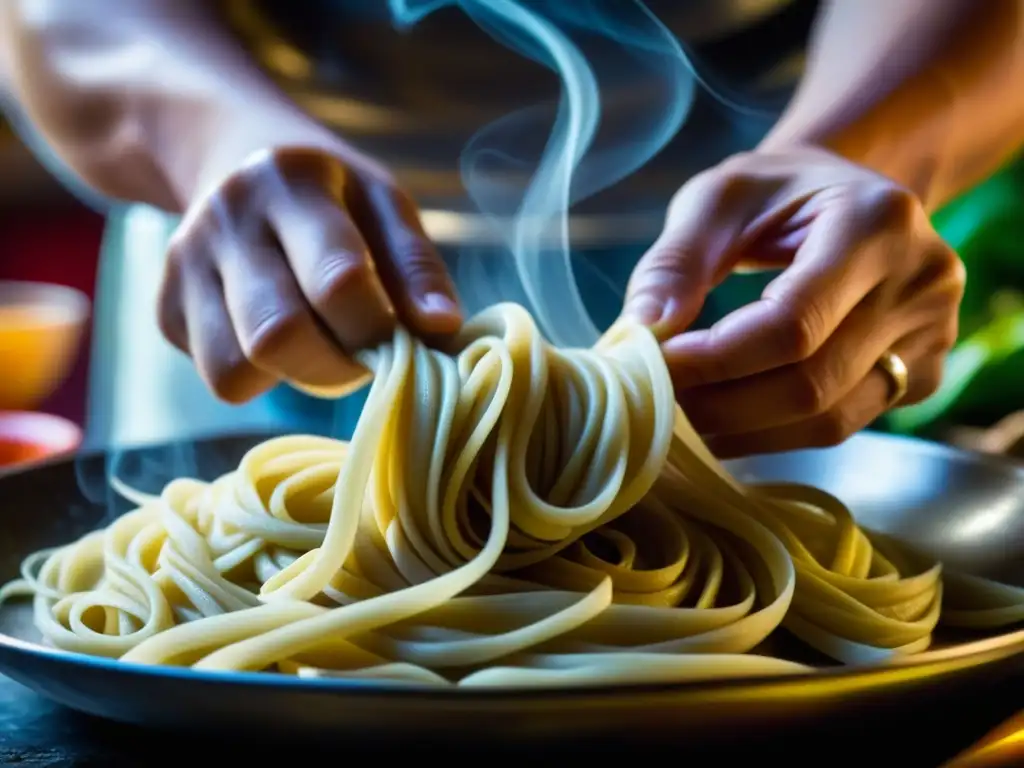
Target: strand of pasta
[508, 514]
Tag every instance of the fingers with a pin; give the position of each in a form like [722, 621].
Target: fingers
[409, 264]
[857, 409]
[704, 225]
[847, 254]
[294, 263]
[333, 268]
[359, 252]
[211, 339]
[853, 413]
[275, 326]
[170, 299]
[862, 268]
[242, 318]
[795, 392]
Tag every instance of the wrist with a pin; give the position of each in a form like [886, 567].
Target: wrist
[904, 137]
[221, 137]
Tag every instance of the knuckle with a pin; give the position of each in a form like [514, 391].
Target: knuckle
[927, 381]
[256, 165]
[383, 193]
[708, 372]
[888, 206]
[929, 386]
[307, 168]
[811, 390]
[421, 266]
[269, 336]
[662, 266]
[228, 373]
[661, 260]
[174, 266]
[942, 269]
[669, 262]
[169, 318]
[711, 189]
[340, 278]
[224, 385]
[370, 172]
[237, 188]
[720, 186]
[834, 427]
[231, 381]
[396, 195]
[172, 329]
[953, 271]
[694, 187]
[800, 330]
[946, 336]
[206, 223]
[179, 248]
[737, 162]
[250, 187]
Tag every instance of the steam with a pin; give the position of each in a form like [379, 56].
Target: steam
[644, 62]
[523, 184]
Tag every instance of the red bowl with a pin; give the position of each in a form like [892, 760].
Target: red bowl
[28, 438]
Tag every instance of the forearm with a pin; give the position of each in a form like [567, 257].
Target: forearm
[5, 67]
[135, 99]
[926, 92]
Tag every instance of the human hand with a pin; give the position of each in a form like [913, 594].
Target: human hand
[298, 257]
[863, 274]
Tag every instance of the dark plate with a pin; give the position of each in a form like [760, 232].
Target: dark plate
[966, 509]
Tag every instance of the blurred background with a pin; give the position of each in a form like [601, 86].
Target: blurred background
[46, 236]
[49, 253]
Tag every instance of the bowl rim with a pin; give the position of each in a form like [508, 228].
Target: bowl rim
[816, 685]
[36, 293]
[55, 435]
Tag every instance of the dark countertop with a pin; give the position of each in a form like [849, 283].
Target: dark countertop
[35, 733]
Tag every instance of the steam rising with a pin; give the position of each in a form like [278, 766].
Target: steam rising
[644, 60]
[524, 185]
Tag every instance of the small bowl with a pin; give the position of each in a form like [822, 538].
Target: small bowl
[28, 438]
[41, 329]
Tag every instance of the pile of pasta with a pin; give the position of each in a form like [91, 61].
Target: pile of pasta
[506, 514]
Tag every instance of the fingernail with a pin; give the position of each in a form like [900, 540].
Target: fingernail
[677, 349]
[438, 304]
[675, 346]
[645, 309]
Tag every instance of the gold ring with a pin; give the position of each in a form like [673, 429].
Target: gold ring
[894, 367]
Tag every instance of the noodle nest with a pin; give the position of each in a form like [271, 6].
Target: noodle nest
[506, 514]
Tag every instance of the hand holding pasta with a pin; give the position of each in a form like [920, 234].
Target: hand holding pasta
[506, 514]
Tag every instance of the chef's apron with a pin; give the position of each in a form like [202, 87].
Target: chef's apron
[142, 390]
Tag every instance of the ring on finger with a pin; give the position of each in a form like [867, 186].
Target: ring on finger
[895, 369]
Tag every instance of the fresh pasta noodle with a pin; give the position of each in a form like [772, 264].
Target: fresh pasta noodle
[506, 514]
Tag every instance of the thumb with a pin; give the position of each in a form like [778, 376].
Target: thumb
[695, 252]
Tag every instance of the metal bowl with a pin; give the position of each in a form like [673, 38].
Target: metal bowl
[964, 508]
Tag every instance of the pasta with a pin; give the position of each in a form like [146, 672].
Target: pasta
[506, 514]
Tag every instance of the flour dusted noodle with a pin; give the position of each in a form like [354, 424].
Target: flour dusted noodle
[509, 514]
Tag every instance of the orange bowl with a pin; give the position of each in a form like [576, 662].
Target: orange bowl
[40, 331]
[27, 438]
